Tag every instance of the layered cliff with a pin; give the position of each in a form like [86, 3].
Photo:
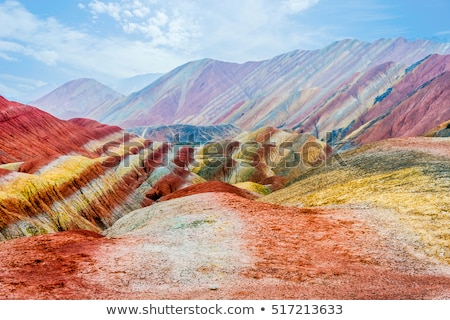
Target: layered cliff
[267, 156]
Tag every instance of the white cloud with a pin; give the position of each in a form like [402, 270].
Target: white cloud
[296, 6]
[237, 30]
[14, 87]
[7, 48]
[15, 21]
[6, 57]
[8, 92]
[161, 19]
[27, 81]
[25, 34]
[112, 9]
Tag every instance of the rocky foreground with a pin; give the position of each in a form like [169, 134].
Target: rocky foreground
[220, 245]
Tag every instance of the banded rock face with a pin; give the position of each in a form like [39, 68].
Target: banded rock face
[60, 175]
[29, 133]
[413, 106]
[53, 177]
[267, 156]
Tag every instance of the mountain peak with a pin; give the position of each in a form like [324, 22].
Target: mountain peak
[75, 98]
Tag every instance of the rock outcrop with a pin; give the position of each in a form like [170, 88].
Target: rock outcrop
[58, 175]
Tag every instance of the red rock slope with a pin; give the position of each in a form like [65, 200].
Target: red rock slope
[53, 177]
[28, 133]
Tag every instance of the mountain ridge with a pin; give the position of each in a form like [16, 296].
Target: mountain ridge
[332, 91]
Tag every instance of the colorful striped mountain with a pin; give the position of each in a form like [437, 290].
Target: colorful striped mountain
[339, 90]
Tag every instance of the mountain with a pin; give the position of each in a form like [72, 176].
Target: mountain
[28, 133]
[320, 91]
[400, 184]
[182, 93]
[91, 211]
[77, 98]
[129, 85]
[412, 106]
[374, 229]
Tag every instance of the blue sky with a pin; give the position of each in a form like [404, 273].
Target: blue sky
[46, 43]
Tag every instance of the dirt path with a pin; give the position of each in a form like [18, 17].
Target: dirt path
[221, 246]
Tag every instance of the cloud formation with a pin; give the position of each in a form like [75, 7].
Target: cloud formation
[14, 36]
[157, 34]
[173, 27]
[80, 52]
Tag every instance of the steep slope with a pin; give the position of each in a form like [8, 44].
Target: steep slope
[180, 94]
[28, 133]
[77, 98]
[299, 90]
[413, 106]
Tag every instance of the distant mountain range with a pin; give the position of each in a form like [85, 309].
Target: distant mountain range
[185, 133]
[349, 89]
[82, 97]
